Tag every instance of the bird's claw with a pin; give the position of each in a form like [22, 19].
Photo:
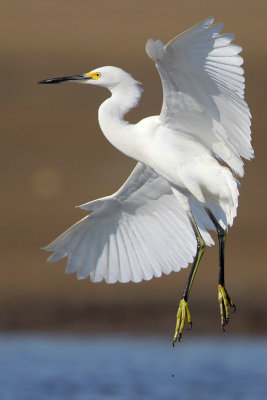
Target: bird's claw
[190, 326]
[183, 313]
[224, 303]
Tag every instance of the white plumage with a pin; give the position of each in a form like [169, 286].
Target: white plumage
[143, 229]
[203, 87]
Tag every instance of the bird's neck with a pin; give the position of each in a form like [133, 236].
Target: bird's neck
[111, 117]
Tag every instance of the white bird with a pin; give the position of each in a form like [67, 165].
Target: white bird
[158, 221]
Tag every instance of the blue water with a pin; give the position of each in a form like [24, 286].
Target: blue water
[123, 368]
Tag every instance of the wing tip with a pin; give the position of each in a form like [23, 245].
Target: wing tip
[204, 24]
[207, 22]
[56, 256]
[154, 49]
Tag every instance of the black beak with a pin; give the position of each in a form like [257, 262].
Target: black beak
[66, 78]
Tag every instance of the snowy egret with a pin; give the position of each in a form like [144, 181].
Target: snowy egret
[158, 221]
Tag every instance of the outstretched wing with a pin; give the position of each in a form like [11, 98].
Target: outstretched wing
[203, 90]
[139, 232]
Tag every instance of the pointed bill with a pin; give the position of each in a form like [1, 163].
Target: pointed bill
[62, 79]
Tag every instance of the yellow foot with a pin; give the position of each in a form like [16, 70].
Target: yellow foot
[224, 303]
[182, 314]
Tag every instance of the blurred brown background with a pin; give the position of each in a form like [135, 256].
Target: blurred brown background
[53, 157]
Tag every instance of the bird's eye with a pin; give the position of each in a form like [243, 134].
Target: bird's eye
[98, 74]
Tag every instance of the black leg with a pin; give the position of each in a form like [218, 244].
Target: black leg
[222, 240]
[183, 309]
[223, 296]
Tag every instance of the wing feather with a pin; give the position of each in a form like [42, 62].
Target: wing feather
[100, 270]
[136, 269]
[125, 272]
[132, 260]
[113, 272]
[139, 232]
[203, 90]
[149, 261]
[145, 263]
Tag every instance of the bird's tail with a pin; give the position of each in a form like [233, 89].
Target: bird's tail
[229, 204]
[224, 208]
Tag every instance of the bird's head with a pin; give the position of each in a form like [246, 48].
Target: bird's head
[108, 77]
